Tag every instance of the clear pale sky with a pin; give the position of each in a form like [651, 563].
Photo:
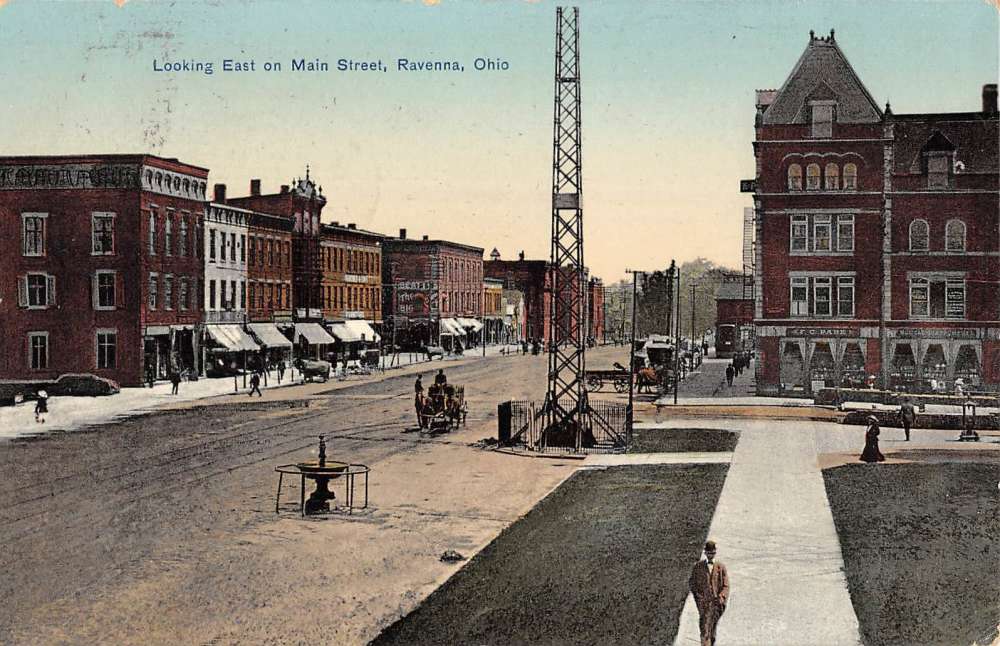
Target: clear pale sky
[668, 92]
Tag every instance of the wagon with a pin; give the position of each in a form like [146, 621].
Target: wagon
[443, 409]
[616, 377]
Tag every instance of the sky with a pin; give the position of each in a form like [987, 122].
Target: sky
[667, 107]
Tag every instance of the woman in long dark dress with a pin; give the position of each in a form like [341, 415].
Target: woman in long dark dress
[871, 452]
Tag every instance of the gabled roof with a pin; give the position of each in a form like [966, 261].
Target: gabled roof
[822, 73]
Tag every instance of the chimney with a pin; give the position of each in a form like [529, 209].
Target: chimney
[425, 236]
[335, 223]
[351, 225]
[255, 187]
[520, 255]
[284, 188]
[220, 193]
[402, 234]
[990, 98]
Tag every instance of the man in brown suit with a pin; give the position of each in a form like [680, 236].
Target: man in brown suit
[709, 584]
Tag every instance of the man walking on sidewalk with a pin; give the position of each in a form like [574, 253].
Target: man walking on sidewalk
[255, 385]
[907, 414]
[175, 382]
[709, 584]
[730, 373]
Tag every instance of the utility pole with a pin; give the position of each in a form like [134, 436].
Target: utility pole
[631, 351]
[677, 335]
[693, 286]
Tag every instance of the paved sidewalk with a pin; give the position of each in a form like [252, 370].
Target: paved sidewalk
[74, 413]
[599, 461]
[776, 536]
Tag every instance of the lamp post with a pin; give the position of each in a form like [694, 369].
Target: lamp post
[677, 336]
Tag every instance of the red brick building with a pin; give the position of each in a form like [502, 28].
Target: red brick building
[733, 317]
[351, 284]
[595, 310]
[434, 291]
[303, 204]
[269, 268]
[534, 279]
[101, 265]
[877, 237]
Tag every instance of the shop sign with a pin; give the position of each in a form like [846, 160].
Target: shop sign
[937, 333]
[838, 332]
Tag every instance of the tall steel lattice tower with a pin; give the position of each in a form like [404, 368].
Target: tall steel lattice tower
[566, 406]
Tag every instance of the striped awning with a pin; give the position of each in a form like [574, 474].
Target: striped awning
[268, 334]
[472, 324]
[363, 330]
[313, 333]
[344, 334]
[233, 338]
[451, 327]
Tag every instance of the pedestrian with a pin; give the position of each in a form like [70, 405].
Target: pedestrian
[255, 385]
[709, 584]
[281, 370]
[41, 406]
[730, 373]
[871, 454]
[150, 375]
[440, 379]
[175, 382]
[418, 386]
[907, 415]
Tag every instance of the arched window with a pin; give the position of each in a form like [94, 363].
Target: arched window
[794, 177]
[831, 177]
[954, 236]
[850, 177]
[812, 177]
[919, 235]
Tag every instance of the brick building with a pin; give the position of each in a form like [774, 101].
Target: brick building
[877, 237]
[533, 278]
[101, 265]
[302, 204]
[434, 291]
[351, 287]
[269, 268]
[733, 317]
[595, 310]
[493, 310]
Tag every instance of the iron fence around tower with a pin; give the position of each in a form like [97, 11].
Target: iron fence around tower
[606, 429]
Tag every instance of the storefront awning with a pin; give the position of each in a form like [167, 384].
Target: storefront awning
[313, 332]
[472, 324]
[344, 334]
[450, 327]
[362, 329]
[157, 330]
[233, 338]
[269, 335]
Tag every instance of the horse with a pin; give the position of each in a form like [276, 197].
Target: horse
[310, 369]
[648, 379]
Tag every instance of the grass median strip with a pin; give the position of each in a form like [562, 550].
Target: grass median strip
[604, 558]
[920, 549]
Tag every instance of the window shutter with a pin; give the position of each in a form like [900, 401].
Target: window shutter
[51, 289]
[95, 298]
[22, 291]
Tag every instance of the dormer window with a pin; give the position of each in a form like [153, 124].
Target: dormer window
[939, 165]
[822, 118]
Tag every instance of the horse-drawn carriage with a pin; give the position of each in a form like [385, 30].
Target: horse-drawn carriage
[310, 369]
[647, 379]
[442, 409]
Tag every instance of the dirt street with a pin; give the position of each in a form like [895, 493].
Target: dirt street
[162, 529]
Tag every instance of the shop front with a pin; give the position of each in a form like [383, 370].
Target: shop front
[936, 359]
[228, 349]
[312, 341]
[274, 346]
[453, 336]
[812, 358]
